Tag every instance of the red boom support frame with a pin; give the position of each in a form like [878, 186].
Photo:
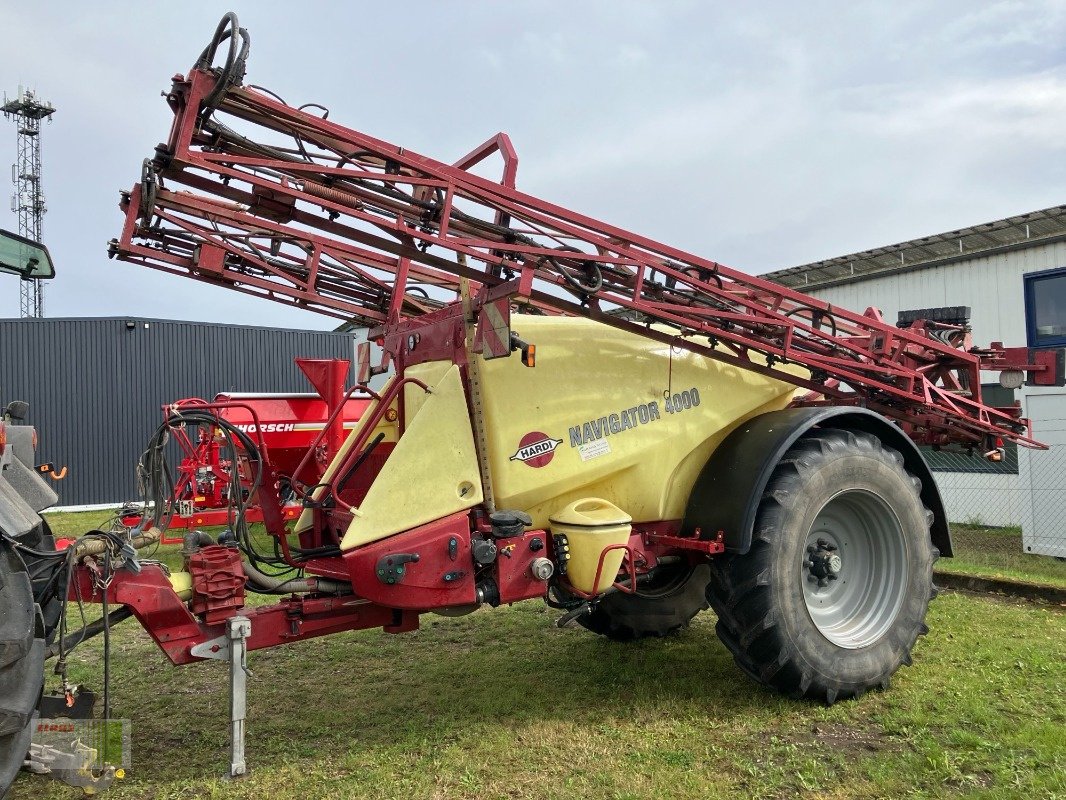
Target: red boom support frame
[339, 222]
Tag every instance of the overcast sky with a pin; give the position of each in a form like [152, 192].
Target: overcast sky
[762, 135]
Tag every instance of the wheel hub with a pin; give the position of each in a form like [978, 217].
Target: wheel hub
[854, 568]
[823, 563]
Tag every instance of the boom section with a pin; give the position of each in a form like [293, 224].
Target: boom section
[284, 203]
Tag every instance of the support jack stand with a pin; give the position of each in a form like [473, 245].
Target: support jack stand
[233, 647]
[238, 629]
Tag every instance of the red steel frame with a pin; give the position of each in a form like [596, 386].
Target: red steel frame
[346, 224]
[176, 630]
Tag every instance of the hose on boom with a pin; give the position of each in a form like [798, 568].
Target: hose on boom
[232, 74]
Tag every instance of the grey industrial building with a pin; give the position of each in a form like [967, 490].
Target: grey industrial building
[96, 386]
[1012, 275]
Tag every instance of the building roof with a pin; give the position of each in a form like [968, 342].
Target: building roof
[1024, 230]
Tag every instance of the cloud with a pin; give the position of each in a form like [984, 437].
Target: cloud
[761, 135]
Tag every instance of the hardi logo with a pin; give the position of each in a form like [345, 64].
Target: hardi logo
[536, 449]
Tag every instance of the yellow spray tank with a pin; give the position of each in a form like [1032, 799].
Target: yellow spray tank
[627, 419]
[605, 414]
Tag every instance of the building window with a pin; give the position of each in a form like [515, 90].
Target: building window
[939, 461]
[1045, 308]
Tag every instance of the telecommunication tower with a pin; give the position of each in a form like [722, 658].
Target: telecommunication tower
[27, 111]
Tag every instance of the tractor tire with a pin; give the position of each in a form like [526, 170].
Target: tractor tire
[21, 663]
[663, 608]
[48, 588]
[832, 594]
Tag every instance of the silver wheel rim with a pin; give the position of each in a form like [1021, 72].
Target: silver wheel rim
[856, 607]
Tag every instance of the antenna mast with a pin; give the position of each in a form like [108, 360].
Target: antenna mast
[27, 111]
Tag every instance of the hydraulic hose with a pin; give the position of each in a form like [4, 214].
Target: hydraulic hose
[193, 540]
[267, 584]
[95, 546]
[233, 72]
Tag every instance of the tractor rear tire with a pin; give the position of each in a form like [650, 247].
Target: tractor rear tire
[832, 594]
[663, 608]
[22, 648]
[48, 588]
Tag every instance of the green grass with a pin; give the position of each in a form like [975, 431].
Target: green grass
[75, 524]
[997, 553]
[503, 704]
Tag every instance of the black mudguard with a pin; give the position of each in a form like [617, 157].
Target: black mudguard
[727, 493]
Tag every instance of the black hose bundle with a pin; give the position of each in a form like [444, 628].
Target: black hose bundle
[157, 483]
[232, 73]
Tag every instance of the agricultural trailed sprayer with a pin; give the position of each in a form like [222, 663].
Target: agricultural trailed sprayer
[575, 413]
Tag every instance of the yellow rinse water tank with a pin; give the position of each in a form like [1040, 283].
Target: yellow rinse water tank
[591, 525]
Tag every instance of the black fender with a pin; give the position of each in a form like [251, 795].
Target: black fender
[727, 492]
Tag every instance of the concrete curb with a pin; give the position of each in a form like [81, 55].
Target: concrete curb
[1026, 591]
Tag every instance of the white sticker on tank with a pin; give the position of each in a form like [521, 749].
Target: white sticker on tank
[594, 449]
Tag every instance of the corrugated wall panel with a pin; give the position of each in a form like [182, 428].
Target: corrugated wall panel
[990, 285]
[95, 386]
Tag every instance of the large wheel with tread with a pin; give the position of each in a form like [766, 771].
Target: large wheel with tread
[663, 607]
[47, 576]
[22, 648]
[832, 595]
